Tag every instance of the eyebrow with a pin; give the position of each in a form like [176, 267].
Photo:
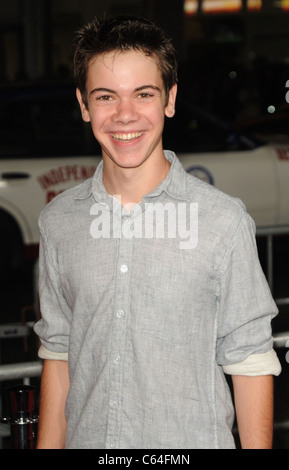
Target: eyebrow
[108, 90]
[105, 90]
[144, 87]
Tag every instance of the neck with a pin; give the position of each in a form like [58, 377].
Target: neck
[134, 183]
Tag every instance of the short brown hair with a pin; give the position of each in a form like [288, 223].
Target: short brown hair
[122, 34]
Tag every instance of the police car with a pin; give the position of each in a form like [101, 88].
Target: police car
[45, 148]
[241, 164]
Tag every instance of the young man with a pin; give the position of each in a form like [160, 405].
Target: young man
[141, 317]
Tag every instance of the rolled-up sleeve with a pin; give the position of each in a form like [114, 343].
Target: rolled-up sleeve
[256, 364]
[245, 309]
[53, 328]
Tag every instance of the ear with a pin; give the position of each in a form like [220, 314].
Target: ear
[83, 108]
[170, 107]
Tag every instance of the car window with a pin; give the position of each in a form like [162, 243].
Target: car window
[274, 127]
[43, 125]
[194, 130]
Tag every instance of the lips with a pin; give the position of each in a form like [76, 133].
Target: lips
[128, 137]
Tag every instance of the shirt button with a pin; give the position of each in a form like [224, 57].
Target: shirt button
[128, 222]
[112, 445]
[124, 268]
[120, 313]
[117, 359]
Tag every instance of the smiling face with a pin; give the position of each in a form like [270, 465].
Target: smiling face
[126, 106]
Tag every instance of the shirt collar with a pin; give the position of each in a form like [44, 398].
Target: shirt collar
[174, 185]
[93, 185]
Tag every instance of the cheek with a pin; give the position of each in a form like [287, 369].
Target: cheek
[97, 121]
[156, 117]
[161, 119]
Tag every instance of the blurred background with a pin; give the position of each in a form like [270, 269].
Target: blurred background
[233, 53]
[234, 95]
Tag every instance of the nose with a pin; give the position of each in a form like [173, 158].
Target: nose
[125, 111]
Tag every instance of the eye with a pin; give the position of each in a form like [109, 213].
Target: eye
[145, 95]
[104, 98]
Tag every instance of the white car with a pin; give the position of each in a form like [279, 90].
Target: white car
[254, 170]
[45, 148]
[260, 177]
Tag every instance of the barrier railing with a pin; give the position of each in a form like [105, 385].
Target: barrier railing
[269, 233]
[23, 370]
[281, 340]
[20, 425]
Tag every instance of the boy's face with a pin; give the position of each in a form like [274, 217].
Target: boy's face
[127, 107]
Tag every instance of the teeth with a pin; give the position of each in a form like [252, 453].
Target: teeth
[127, 137]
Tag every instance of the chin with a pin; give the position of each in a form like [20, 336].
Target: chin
[128, 162]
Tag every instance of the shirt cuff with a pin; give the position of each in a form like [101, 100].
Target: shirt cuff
[45, 353]
[256, 364]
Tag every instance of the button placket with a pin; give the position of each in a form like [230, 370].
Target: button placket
[118, 338]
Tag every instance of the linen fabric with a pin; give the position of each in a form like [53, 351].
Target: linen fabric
[147, 325]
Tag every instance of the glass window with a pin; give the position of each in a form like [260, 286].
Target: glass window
[43, 123]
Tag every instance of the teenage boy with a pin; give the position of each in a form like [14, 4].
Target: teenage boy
[140, 317]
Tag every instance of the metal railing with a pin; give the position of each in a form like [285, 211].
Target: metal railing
[269, 233]
[20, 371]
[23, 370]
[281, 340]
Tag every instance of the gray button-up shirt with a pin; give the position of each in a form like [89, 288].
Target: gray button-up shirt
[150, 305]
